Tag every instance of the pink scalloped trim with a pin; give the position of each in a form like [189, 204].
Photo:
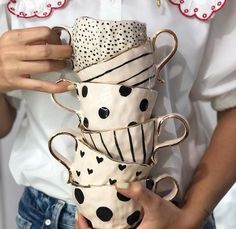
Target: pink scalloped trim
[46, 12]
[195, 12]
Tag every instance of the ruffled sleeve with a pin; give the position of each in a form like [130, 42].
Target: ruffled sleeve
[217, 76]
[34, 8]
[200, 9]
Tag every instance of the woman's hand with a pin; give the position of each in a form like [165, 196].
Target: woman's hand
[158, 213]
[29, 51]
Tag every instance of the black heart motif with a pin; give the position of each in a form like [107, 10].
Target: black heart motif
[138, 173]
[121, 167]
[90, 171]
[82, 153]
[99, 159]
[112, 181]
[78, 173]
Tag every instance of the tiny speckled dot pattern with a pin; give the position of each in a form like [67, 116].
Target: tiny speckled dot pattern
[94, 40]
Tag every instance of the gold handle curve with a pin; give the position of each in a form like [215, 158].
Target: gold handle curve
[169, 56]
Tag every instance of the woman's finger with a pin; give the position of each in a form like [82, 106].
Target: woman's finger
[30, 36]
[138, 193]
[35, 67]
[43, 86]
[37, 52]
[82, 223]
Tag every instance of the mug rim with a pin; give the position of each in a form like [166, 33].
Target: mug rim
[111, 21]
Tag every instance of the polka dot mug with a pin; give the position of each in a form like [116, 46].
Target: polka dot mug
[105, 208]
[95, 40]
[136, 143]
[106, 106]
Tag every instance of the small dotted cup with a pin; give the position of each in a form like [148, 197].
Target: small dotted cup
[95, 40]
[108, 106]
[105, 208]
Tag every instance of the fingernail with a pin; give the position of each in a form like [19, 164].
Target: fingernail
[122, 184]
[76, 216]
[71, 87]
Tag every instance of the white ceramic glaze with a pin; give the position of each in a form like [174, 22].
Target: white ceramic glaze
[136, 143]
[105, 208]
[134, 67]
[95, 40]
[90, 167]
[108, 106]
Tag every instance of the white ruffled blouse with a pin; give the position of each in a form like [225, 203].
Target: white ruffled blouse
[203, 68]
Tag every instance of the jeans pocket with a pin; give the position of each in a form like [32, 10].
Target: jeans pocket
[22, 223]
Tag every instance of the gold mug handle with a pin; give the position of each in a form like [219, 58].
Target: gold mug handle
[175, 188]
[169, 56]
[170, 142]
[65, 28]
[59, 157]
[69, 32]
[56, 101]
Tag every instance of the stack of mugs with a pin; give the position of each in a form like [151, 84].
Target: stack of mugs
[118, 138]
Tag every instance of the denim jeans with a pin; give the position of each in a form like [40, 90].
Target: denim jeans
[39, 211]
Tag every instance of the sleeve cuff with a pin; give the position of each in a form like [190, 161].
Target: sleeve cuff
[225, 101]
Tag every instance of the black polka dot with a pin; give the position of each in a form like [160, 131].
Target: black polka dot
[149, 184]
[86, 122]
[122, 197]
[79, 195]
[143, 105]
[133, 218]
[103, 112]
[105, 214]
[125, 91]
[84, 91]
[132, 123]
[136, 224]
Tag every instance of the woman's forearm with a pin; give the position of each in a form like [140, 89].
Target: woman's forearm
[7, 117]
[216, 172]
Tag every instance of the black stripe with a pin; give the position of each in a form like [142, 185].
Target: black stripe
[144, 70]
[93, 142]
[105, 145]
[110, 70]
[143, 144]
[131, 145]
[117, 146]
[137, 84]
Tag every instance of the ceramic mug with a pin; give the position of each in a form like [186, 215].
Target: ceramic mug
[136, 143]
[95, 40]
[104, 207]
[102, 106]
[135, 67]
[90, 167]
